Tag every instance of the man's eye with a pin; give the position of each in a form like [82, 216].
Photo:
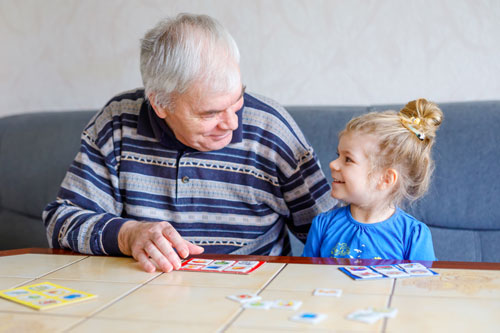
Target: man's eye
[348, 159]
[210, 114]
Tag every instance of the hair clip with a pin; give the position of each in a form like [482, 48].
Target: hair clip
[410, 125]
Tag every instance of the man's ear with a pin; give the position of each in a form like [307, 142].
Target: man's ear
[160, 111]
[388, 179]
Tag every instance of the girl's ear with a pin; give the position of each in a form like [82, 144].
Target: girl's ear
[388, 179]
[160, 111]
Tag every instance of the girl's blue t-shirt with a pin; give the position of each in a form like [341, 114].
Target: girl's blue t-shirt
[336, 234]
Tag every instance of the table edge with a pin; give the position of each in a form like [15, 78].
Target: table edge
[291, 260]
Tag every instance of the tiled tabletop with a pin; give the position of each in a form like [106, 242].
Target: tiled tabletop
[130, 300]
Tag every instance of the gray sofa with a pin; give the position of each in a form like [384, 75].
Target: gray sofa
[460, 208]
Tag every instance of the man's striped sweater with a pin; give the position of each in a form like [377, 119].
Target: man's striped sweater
[234, 200]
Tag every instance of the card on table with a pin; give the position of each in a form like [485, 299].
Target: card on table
[261, 305]
[288, 305]
[308, 317]
[45, 295]
[387, 271]
[371, 315]
[221, 266]
[327, 292]
[244, 298]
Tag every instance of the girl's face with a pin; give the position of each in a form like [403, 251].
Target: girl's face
[352, 182]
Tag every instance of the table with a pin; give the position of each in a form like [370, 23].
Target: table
[464, 297]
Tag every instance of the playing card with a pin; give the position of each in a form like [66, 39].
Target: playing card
[248, 263]
[327, 292]
[222, 262]
[214, 268]
[239, 269]
[413, 265]
[368, 274]
[243, 298]
[308, 317]
[200, 261]
[386, 312]
[364, 316]
[419, 272]
[371, 315]
[354, 269]
[289, 305]
[262, 305]
[390, 271]
[192, 267]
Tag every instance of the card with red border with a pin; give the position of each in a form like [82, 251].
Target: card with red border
[220, 266]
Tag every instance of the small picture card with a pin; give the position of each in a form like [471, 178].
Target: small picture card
[387, 271]
[289, 305]
[197, 261]
[220, 266]
[371, 315]
[243, 298]
[327, 292]
[390, 271]
[45, 295]
[239, 269]
[362, 272]
[261, 305]
[193, 267]
[364, 315]
[412, 265]
[308, 317]
[214, 268]
[416, 269]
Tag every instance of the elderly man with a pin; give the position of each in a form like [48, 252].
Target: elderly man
[189, 163]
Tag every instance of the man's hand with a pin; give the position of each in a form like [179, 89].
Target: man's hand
[155, 241]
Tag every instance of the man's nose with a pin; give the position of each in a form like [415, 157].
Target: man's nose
[229, 120]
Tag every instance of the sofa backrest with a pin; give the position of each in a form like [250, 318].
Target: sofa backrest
[460, 207]
[35, 152]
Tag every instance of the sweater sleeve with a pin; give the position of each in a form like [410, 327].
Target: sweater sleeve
[85, 217]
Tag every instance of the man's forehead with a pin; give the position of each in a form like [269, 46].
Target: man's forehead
[216, 102]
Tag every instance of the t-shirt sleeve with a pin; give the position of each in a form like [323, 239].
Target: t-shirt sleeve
[420, 246]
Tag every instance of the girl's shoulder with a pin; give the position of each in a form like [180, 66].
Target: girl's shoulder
[332, 215]
[409, 221]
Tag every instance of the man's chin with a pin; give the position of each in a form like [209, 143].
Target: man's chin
[216, 144]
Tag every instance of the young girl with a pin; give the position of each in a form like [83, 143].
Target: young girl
[383, 159]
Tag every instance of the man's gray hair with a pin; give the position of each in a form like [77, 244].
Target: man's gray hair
[184, 50]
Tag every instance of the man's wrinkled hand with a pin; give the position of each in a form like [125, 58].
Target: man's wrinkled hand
[155, 242]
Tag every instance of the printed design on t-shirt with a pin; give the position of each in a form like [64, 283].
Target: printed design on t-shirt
[342, 250]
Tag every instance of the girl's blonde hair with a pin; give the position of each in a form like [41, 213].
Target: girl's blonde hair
[404, 143]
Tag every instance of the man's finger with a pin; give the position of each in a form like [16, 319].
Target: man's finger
[168, 253]
[176, 240]
[144, 262]
[194, 249]
[163, 263]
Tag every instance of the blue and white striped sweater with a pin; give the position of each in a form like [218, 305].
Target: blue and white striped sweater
[234, 200]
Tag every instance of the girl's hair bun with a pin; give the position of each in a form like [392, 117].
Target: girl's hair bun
[424, 116]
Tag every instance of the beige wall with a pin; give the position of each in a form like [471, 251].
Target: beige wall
[74, 54]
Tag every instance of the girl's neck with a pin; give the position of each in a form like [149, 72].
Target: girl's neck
[372, 214]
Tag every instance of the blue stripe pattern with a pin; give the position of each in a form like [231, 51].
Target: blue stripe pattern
[238, 199]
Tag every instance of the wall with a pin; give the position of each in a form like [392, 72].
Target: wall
[76, 54]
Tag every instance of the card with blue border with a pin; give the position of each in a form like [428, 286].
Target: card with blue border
[387, 271]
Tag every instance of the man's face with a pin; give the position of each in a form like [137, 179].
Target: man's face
[204, 121]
